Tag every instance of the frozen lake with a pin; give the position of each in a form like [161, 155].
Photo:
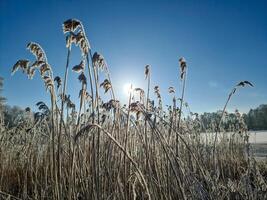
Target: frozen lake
[258, 140]
[254, 136]
[258, 136]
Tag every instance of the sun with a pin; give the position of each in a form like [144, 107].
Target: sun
[127, 88]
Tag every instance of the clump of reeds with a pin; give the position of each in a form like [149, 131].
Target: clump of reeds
[105, 150]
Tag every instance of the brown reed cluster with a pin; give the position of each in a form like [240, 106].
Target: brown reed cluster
[99, 149]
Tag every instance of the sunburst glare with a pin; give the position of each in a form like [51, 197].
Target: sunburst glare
[127, 88]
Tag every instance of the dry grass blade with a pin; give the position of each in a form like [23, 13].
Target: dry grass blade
[95, 148]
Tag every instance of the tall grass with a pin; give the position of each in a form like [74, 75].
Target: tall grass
[103, 150]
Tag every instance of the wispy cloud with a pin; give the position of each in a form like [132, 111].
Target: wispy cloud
[213, 84]
[258, 95]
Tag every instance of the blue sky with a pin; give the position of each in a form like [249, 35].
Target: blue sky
[223, 42]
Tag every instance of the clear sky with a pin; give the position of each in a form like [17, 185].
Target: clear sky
[223, 42]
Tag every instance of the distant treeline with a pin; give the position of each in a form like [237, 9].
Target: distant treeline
[256, 119]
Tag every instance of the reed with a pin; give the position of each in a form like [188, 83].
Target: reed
[101, 149]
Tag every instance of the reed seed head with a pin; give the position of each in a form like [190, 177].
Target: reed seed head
[99, 61]
[244, 83]
[57, 79]
[171, 90]
[183, 65]
[147, 71]
[22, 64]
[71, 25]
[37, 51]
[106, 85]
[82, 78]
[44, 68]
[79, 68]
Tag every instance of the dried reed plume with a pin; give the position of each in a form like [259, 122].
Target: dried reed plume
[106, 85]
[100, 149]
[79, 68]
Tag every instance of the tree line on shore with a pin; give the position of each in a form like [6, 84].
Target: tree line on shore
[255, 119]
